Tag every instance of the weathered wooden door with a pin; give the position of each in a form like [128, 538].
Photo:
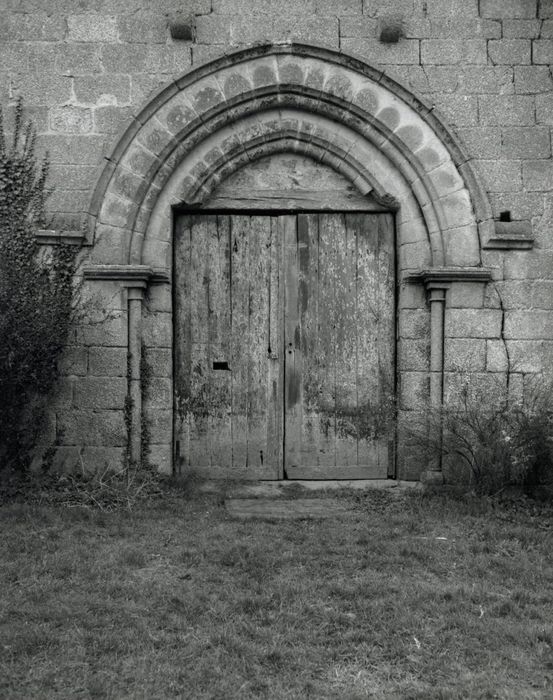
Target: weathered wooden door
[228, 395]
[284, 345]
[339, 335]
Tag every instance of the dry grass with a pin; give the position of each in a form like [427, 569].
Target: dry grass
[410, 597]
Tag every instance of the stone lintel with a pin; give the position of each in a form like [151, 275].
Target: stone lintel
[128, 275]
[444, 276]
[52, 237]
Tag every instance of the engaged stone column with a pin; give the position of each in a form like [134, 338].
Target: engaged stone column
[135, 295]
[136, 279]
[437, 281]
[437, 299]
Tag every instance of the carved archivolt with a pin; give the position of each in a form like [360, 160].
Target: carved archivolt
[301, 99]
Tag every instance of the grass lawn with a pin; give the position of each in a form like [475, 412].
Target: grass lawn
[409, 597]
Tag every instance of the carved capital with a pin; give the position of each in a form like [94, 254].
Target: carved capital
[442, 277]
[128, 275]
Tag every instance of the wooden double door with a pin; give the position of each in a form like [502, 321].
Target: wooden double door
[284, 345]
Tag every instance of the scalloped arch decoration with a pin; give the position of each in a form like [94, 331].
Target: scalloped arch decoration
[296, 98]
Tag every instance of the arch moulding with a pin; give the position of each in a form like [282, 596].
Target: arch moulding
[325, 104]
[295, 98]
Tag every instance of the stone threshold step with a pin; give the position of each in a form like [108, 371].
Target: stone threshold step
[279, 489]
[293, 509]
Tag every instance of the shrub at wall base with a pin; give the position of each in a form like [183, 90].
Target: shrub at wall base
[488, 442]
[35, 297]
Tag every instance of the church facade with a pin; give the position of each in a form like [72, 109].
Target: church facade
[301, 225]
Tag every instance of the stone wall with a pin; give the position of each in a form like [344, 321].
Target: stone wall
[484, 64]
[85, 69]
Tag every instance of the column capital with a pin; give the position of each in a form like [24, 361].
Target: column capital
[133, 276]
[135, 293]
[437, 291]
[442, 277]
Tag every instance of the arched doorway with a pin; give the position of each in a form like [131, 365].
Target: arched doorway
[284, 327]
[392, 149]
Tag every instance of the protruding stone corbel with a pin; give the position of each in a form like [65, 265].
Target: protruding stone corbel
[52, 237]
[511, 235]
[386, 200]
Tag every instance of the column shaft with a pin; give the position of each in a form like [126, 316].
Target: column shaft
[135, 296]
[437, 316]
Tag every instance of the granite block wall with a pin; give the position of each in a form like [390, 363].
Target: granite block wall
[84, 69]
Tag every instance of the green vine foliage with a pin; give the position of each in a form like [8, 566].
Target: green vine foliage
[35, 296]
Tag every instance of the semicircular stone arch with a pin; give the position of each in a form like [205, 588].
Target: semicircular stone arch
[420, 245]
[301, 99]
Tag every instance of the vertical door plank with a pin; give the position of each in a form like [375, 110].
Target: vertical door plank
[308, 254]
[369, 291]
[240, 352]
[292, 345]
[275, 353]
[329, 226]
[219, 336]
[258, 345]
[200, 387]
[386, 334]
[183, 338]
[367, 335]
[347, 412]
